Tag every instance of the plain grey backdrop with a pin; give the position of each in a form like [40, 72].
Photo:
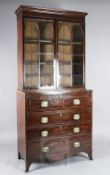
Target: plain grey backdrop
[97, 79]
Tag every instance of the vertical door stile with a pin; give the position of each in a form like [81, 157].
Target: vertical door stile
[39, 58]
[24, 68]
[84, 54]
[55, 53]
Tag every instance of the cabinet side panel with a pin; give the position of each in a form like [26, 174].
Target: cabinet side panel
[21, 124]
[20, 50]
[90, 98]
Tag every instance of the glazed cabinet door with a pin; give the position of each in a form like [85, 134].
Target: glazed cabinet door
[38, 53]
[70, 54]
[53, 54]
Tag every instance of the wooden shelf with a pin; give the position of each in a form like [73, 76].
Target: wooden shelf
[31, 62]
[37, 41]
[61, 54]
[65, 74]
[77, 75]
[46, 62]
[68, 63]
[69, 42]
[38, 62]
[41, 75]
[77, 64]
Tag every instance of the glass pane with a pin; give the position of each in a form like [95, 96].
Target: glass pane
[70, 54]
[66, 72]
[78, 33]
[31, 72]
[38, 51]
[47, 53]
[46, 29]
[65, 32]
[46, 74]
[31, 29]
[78, 55]
[65, 50]
[46, 65]
[31, 53]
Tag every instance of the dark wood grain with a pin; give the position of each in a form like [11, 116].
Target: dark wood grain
[59, 102]
[61, 129]
[21, 125]
[20, 51]
[34, 118]
[60, 146]
[60, 110]
[52, 13]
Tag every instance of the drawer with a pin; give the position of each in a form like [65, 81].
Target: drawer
[50, 149]
[43, 118]
[59, 102]
[49, 146]
[62, 129]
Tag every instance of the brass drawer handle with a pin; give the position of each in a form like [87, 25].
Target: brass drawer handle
[60, 114]
[76, 101]
[76, 117]
[76, 144]
[44, 104]
[76, 130]
[44, 120]
[45, 149]
[44, 133]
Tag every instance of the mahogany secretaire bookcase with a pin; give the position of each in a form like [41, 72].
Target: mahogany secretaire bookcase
[54, 108]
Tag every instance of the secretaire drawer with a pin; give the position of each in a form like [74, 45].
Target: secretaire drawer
[43, 118]
[59, 102]
[55, 130]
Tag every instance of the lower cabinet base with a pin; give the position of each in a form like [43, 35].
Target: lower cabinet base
[27, 165]
[56, 132]
[90, 155]
[51, 159]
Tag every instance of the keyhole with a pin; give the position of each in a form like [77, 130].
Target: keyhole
[60, 127]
